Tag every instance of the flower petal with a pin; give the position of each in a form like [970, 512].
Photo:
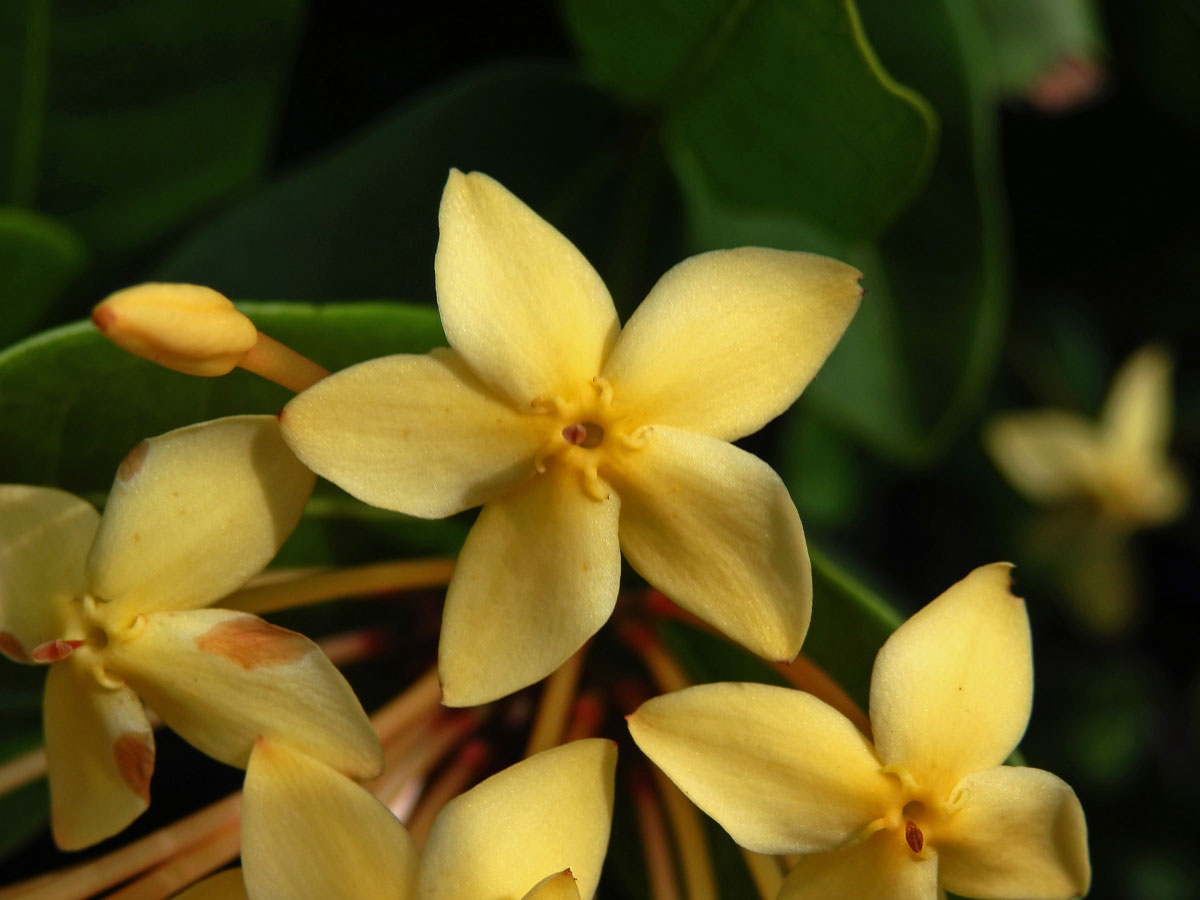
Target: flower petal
[545, 814]
[417, 434]
[537, 576]
[713, 528]
[1046, 455]
[44, 539]
[222, 679]
[560, 886]
[1018, 833]
[99, 756]
[878, 867]
[227, 885]
[953, 686]
[727, 340]
[781, 771]
[1137, 412]
[194, 513]
[528, 313]
[310, 833]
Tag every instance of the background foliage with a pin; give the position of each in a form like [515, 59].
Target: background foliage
[1016, 248]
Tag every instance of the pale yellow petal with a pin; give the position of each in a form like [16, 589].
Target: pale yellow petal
[714, 529]
[417, 434]
[952, 687]
[195, 513]
[310, 833]
[227, 885]
[99, 755]
[1137, 413]
[880, 868]
[727, 340]
[537, 577]
[44, 539]
[1047, 455]
[1018, 833]
[528, 313]
[222, 679]
[778, 769]
[560, 886]
[548, 813]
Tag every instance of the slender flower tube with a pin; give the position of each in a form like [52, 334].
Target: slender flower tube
[584, 440]
[929, 806]
[115, 606]
[537, 830]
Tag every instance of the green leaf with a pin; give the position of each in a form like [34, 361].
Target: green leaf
[126, 119]
[771, 105]
[72, 404]
[363, 221]
[38, 258]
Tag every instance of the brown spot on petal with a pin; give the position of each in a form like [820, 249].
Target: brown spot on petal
[134, 755]
[132, 463]
[250, 642]
[103, 317]
[12, 648]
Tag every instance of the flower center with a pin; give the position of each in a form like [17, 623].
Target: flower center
[588, 435]
[913, 836]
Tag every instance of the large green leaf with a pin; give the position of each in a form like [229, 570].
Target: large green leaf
[772, 105]
[38, 258]
[71, 404]
[125, 119]
[362, 222]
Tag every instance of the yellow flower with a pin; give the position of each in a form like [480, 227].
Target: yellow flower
[583, 440]
[1119, 464]
[114, 604]
[927, 807]
[537, 830]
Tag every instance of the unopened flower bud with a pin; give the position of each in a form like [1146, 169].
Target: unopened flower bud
[185, 327]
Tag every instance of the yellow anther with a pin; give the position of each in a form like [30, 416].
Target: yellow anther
[185, 327]
[550, 403]
[104, 679]
[638, 438]
[593, 485]
[605, 391]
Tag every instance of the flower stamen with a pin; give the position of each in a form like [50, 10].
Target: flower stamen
[913, 836]
[588, 435]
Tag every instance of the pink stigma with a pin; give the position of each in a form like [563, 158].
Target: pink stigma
[53, 651]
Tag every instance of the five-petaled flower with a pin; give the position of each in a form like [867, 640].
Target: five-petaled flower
[928, 806]
[583, 440]
[1118, 464]
[538, 830]
[114, 603]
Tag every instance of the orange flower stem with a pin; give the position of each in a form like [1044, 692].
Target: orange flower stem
[458, 777]
[666, 671]
[699, 879]
[805, 674]
[21, 770]
[187, 867]
[89, 878]
[766, 873]
[558, 695]
[656, 844]
[423, 756]
[274, 594]
[275, 362]
[586, 719]
[352, 646]
[416, 704]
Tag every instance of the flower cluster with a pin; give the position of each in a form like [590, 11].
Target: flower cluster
[584, 442]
